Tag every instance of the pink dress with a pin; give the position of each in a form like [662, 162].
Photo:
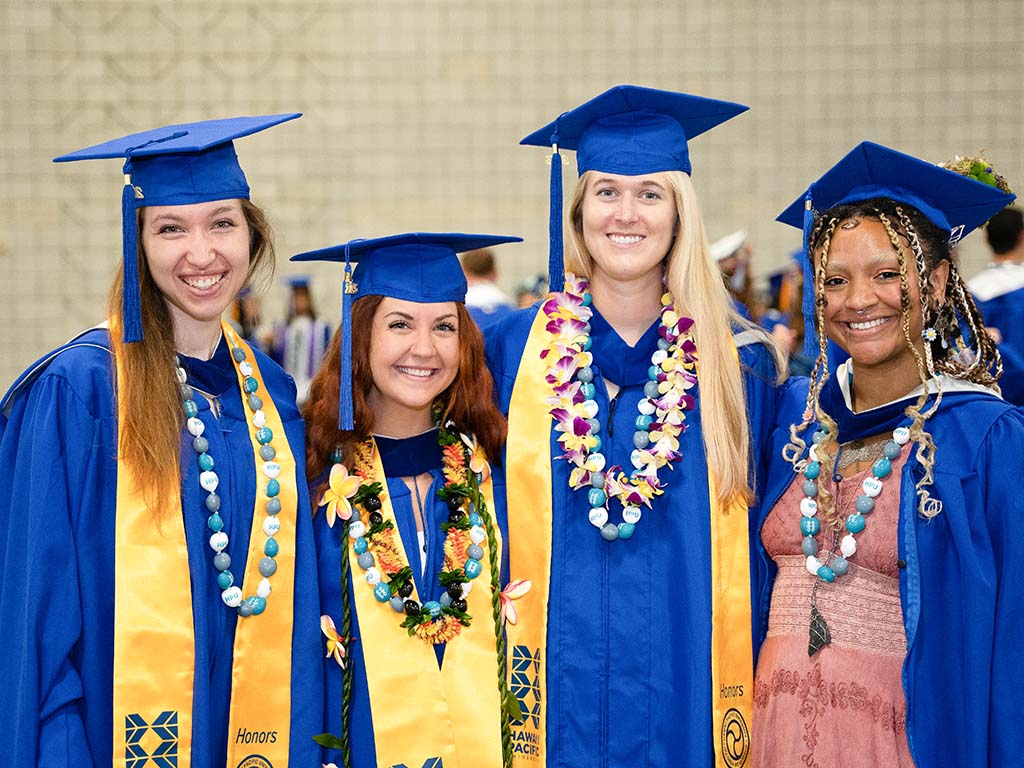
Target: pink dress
[843, 707]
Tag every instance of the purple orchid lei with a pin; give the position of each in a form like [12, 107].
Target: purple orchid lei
[574, 410]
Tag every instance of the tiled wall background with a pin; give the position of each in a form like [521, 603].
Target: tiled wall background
[413, 110]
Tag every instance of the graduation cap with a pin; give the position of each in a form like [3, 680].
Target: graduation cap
[173, 165]
[726, 246]
[627, 130]
[954, 203]
[422, 267]
[297, 281]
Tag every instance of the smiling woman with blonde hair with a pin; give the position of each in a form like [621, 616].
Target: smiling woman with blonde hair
[636, 401]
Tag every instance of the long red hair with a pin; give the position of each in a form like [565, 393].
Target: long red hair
[468, 401]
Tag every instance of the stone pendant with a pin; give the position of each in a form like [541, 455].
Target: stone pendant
[820, 635]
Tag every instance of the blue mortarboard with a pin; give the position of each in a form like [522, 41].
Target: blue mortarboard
[173, 165]
[421, 267]
[953, 202]
[627, 130]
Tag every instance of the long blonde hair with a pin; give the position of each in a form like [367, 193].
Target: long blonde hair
[150, 401]
[696, 284]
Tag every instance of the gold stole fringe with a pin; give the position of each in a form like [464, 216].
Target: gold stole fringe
[154, 645]
[420, 711]
[529, 488]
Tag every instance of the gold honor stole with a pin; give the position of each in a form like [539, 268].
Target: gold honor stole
[420, 711]
[528, 483]
[154, 645]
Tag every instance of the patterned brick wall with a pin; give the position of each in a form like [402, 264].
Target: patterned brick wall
[413, 111]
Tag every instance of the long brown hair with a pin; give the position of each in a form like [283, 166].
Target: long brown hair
[150, 402]
[468, 401]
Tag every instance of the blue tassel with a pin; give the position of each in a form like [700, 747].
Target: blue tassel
[131, 305]
[808, 303]
[346, 419]
[556, 272]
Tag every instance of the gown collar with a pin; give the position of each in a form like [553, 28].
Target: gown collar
[618, 362]
[409, 456]
[837, 401]
[214, 376]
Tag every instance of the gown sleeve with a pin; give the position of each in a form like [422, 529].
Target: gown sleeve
[45, 449]
[1001, 457]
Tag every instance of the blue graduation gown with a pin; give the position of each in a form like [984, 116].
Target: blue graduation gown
[328, 544]
[961, 589]
[57, 511]
[1001, 302]
[629, 622]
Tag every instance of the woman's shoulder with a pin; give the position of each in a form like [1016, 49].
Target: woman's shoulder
[505, 339]
[979, 419]
[757, 352]
[84, 365]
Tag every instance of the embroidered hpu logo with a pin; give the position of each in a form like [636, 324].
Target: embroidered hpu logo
[525, 686]
[156, 741]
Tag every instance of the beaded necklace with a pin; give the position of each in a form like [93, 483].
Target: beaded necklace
[208, 481]
[661, 412]
[379, 552]
[836, 561]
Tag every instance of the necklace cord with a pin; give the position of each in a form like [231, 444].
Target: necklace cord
[346, 634]
[423, 522]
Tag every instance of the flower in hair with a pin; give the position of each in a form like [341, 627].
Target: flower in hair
[979, 169]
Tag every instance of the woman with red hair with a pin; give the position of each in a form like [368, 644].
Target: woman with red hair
[409, 542]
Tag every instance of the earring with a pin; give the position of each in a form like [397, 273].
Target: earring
[945, 326]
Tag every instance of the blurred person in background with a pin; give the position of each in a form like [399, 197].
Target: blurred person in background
[999, 292]
[530, 291]
[734, 253]
[303, 339]
[486, 302]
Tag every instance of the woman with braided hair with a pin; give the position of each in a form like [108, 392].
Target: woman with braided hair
[409, 540]
[892, 596]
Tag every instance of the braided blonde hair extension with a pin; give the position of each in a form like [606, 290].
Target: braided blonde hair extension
[927, 506]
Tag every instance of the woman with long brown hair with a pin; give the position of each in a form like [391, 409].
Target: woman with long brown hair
[151, 502]
[410, 542]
